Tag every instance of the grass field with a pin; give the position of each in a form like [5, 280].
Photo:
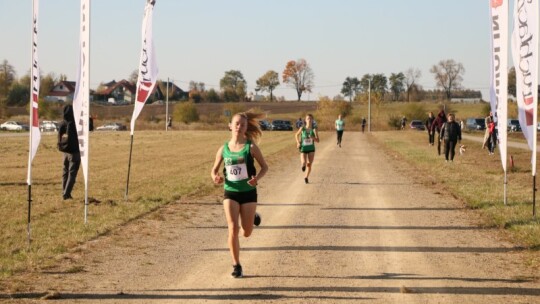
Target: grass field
[476, 178]
[165, 167]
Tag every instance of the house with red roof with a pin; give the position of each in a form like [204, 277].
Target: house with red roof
[62, 92]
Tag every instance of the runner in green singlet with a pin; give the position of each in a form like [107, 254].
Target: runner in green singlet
[305, 141]
[240, 178]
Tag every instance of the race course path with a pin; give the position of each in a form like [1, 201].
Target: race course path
[360, 232]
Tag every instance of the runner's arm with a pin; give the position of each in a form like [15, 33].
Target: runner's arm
[216, 178]
[297, 137]
[257, 155]
[316, 135]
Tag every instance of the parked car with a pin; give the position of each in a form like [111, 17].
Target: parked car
[14, 126]
[475, 124]
[281, 125]
[513, 125]
[417, 125]
[113, 126]
[48, 126]
[265, 125]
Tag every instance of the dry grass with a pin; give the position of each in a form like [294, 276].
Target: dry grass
[476, 178]
[165, 167]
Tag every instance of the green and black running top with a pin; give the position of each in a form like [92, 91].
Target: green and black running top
[239, 168]
[307, 143]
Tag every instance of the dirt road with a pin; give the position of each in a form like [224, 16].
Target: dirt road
[361, 231]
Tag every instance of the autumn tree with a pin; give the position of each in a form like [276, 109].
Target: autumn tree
[448, 75]
[298, 74]
[268, 82]
[133, 76]
[233, 85]
[397, 85]
[411, 77]
[351, 87]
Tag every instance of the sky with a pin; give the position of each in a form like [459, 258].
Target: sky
[199, 40]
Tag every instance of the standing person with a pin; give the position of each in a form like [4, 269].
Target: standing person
[429, 123]
[169, 122]
[492, 137]
[69, 144]
[403, 122]
[436, 127]
[487, 140]
[363, 124]
[451, 132]
[305, 141]
[299, 123]
[339, 129]
[241, 179]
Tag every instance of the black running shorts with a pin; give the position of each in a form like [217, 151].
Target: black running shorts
[242, 197]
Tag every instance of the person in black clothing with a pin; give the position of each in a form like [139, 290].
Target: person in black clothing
[363, 124]
[436, 127]
[451, 132]
[431, 133]
[69, 144]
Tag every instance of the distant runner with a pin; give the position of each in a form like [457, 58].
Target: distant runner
[240, 199]
[339, 129]
[305, 141]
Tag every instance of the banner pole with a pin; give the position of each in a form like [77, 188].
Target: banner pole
[129, 167]
[534, 196]
[29, 227]
[505, 189]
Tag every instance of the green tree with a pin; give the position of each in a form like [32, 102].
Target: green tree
[397, 85]
[186, 112]
[512, 81]
[268, 82]
[212, 96]
[299, 75]
[233, 86]
[448, 75]
[47, 83]
[18, 95]
[351, 87]
[7, 78]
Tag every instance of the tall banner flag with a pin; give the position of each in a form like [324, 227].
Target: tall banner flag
[499, 72]
[81, 98]
[35, 134]
[148, 69]
[525, 56]
[147, 78]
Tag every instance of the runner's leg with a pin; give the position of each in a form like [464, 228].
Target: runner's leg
[232, 210]
[247, 214]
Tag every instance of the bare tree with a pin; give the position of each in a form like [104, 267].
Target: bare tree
[411, 76]
[448, 75]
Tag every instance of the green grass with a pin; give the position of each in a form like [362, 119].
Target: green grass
[165, 167]
[476, 178]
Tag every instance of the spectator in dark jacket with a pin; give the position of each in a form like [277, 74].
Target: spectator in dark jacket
[436, 126]
[69, 144]
[451, 133]
[429, 123]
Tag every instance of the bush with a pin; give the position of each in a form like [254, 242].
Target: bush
[415, 111]
[186, 112]
[394, 122]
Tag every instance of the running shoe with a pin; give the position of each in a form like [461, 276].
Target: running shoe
[237, 271]
[306, 180]
[257, 220]
[303, 168]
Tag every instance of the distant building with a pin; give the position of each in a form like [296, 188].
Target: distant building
[175, 93]
[62, 92]
[122, 91]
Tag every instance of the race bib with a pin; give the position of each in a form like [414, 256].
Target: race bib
[236, 172]
[307, 141]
